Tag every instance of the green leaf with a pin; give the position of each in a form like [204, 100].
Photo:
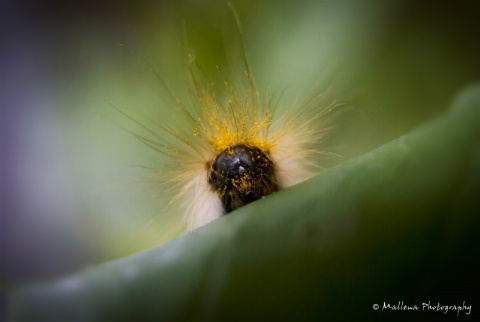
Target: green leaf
[397, 224]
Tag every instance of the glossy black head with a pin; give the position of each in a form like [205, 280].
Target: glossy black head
[241, 175]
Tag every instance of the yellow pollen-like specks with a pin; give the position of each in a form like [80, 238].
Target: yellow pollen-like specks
[244, 184]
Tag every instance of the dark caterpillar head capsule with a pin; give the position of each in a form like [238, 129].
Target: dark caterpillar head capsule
[241, 175]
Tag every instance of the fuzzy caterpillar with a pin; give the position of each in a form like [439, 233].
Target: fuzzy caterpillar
[235, 146]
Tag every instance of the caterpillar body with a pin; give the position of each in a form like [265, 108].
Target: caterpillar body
[235, 145]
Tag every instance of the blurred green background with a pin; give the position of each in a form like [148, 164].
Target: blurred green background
[393, 64]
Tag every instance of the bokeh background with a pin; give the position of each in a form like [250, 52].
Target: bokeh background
[74, 188]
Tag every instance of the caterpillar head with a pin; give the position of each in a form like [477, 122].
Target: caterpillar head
[242, 174]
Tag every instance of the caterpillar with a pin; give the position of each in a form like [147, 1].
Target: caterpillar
[235, 144]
